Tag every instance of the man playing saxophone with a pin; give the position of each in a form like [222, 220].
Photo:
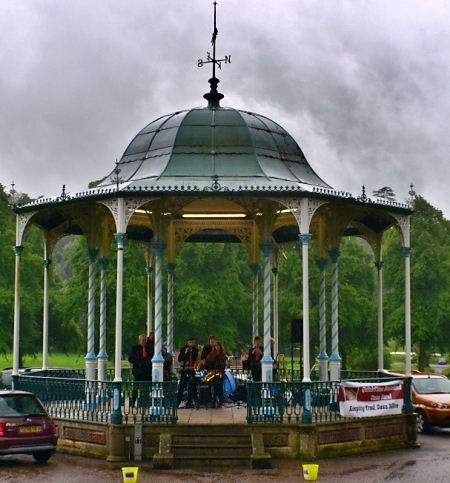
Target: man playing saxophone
[187, 357]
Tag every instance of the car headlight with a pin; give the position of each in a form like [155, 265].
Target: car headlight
[441, 405]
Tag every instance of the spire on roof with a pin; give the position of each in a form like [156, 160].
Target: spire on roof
[213, 97]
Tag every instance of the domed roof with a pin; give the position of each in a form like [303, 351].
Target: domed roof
[203, 148]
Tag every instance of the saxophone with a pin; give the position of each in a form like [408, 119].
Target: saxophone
[198, 361]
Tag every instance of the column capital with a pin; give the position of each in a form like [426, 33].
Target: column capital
[171, 268]
[406, 252]
[18, 250]
[92, 254]
[103, 262]
[255, 267]
[322, 263]
[46, 262]
[149, 271]
[267, 248]
[120, 238]
[275, 271]
[305, 238]
[158, 248]
[379, 265]
[334, 255]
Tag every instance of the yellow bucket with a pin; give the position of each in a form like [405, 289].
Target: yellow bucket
[130, 474]
[310, 472]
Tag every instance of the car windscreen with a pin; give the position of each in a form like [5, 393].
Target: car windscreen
[431, 385]
[15, 405]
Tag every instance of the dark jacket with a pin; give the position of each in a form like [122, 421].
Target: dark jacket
[183, 358]
[142, 366]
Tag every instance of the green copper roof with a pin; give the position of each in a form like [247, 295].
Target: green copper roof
[200, 145]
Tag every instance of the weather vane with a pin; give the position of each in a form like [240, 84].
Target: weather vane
[212, 60]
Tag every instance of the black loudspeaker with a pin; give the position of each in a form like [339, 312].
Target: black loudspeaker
[297, 331]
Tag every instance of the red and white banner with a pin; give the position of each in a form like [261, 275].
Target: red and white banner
[362, 400]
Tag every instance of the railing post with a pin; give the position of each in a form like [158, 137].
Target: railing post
[306, 396]
[116, 416]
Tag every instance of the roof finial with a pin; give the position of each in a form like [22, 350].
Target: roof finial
[213, 97]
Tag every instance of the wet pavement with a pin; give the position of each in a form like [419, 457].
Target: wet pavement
[430, 463]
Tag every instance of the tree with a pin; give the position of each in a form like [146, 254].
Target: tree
[386, 192]
[430, 282]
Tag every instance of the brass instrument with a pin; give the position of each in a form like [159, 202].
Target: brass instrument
[198, 361]
[211, 375]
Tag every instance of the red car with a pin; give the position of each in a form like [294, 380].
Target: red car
[25, 426]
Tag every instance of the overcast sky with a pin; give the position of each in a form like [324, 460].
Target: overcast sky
[363, 86]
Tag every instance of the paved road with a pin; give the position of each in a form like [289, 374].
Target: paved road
[430, 463]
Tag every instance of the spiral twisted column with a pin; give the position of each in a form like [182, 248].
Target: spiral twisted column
[275, 311]
[90, 355]
[170, 272]
[102, 356]
[267, 361]
[149, 272]
[335, 360]
[323, 357]
[157, 361]
[255, 270]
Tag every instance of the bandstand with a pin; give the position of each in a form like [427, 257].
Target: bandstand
[212, 174]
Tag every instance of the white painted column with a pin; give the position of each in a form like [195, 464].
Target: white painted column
[407, 255]
[46, 263]
[16, 343]
[305, 238]
[90, 355]
[120, 239]
[102, 356]
[379, 266]
[267, 361]
[158, 361]
[323, 356]
[335, 359]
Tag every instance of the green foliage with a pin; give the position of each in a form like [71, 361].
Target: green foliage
[430, 283]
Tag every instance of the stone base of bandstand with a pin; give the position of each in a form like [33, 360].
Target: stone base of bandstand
[265, 441]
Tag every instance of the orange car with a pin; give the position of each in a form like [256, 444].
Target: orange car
[430, 398]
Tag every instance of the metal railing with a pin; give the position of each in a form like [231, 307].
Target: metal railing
[153, 402]
[290, 401]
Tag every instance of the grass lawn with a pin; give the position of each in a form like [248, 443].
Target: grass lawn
[71, 361]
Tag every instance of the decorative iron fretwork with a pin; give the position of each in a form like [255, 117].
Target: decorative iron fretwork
[63, 196]
[216, 185]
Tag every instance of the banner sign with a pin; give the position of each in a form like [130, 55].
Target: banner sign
[362, 400]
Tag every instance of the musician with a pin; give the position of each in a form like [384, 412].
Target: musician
[187, 357]
[141, 363]
[208, 348]
[168, 363]
[216, 360]
[255, 355]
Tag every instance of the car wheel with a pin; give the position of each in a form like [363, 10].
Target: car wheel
[42, 456]
[423, 426]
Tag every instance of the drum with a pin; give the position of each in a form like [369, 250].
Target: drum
[229, 383]
[200, 375]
